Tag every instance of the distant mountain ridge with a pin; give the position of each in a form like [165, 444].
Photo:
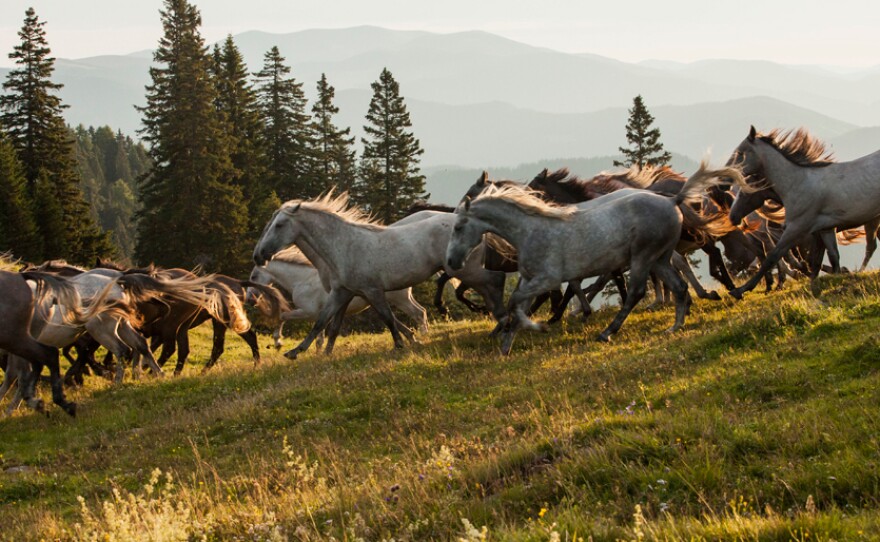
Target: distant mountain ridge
[480, 100]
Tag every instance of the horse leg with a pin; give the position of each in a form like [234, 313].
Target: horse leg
[540, 299]
[250, 338]
[376, 298]
[658, 291]
[277, 334]
[138, 343]
[460, 296]
[559, 308]
[638, 283]
[829, 239]
[411, 307]
[219, 329]
[788, 239]
[870, 241]
[717, 267]
[525, 291]
[817, 255]
[183, 347]
[333, 329]
[339, 297]
[438, 293]
[682, 265]
[169, 346]
[670, 276]
[582, 297]
[40, 355]
[620, 283]
[104, 330]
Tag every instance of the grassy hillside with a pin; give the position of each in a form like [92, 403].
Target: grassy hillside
[760, 421]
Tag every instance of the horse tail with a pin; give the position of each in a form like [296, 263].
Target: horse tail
[772, 213]
[704, 177]
[854, 235]
[271, 302]
[202, 292]
[76, 312]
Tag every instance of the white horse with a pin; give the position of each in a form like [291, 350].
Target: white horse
[363, 258]
[292, 271]
[566, 244]
[820, 196]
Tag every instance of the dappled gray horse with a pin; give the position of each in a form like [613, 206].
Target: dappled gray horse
[366, 259]
[638, 231]
[820, 196]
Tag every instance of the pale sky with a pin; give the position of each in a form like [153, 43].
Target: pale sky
[841, 33]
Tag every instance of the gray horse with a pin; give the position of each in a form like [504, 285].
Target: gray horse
[366, 259]
[820, 196]
[638, 231]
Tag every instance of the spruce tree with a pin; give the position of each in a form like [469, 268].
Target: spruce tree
[390, 180]
[18, 231]
[237, 101]
[191, 211]
[334, 157]
[32, 118]
[285, 128]
[645, 147]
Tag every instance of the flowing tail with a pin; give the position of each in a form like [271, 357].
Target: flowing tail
[704, 177]
[76, 312]
[270, 302]
[203, 292]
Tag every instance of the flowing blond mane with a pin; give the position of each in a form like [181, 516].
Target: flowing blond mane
[8, 262]
[338, 206]
[800, 147]
[527, 201]
[292, 255]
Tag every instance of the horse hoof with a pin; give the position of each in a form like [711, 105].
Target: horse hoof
[736, 294]
[177, 373]
[291, 354]
[70, 408]
[602, 338]
[714, 296]
[543, 328]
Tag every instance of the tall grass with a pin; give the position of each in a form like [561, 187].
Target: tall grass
[758, 422]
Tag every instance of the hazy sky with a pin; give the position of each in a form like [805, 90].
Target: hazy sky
[842, 33]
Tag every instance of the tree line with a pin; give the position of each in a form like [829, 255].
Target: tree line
[224, 147]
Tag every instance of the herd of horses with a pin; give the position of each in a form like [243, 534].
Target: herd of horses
[781, 202]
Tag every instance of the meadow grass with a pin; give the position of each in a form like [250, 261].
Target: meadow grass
[759, 421]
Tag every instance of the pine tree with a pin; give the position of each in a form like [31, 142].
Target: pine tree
[32, 118]
[390, 180]
[191, 211]
[645, 147]
[18, 231]
[334, 157]
[237, 101]
[285, 128]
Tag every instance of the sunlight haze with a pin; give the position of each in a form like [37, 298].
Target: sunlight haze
[787, 31]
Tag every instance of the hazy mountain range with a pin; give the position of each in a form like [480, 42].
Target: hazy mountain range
[481, 101]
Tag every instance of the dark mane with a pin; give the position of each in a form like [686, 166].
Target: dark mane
[422, 205]
[800, 147]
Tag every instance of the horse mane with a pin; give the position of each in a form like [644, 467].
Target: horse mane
[8, 262]
[799, 147]
[57, 265]
[423, 205]
[292, 255]
[526, 200]
[338, 206]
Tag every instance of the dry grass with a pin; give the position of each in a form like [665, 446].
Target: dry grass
[758, 422]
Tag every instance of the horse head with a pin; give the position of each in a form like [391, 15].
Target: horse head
[280, 232]
[467, 233]
[757, 188]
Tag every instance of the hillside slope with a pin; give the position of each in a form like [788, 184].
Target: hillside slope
[758, 421]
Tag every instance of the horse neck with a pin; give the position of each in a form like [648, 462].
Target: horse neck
[782, 174]
[506, 220]
[322, 247]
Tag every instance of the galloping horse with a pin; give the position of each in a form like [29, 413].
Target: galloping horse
[820, 196]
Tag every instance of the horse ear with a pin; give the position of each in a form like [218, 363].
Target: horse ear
[484, 179]
[545, 172]
[752, 134]
[294, 208]
[467, 203]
